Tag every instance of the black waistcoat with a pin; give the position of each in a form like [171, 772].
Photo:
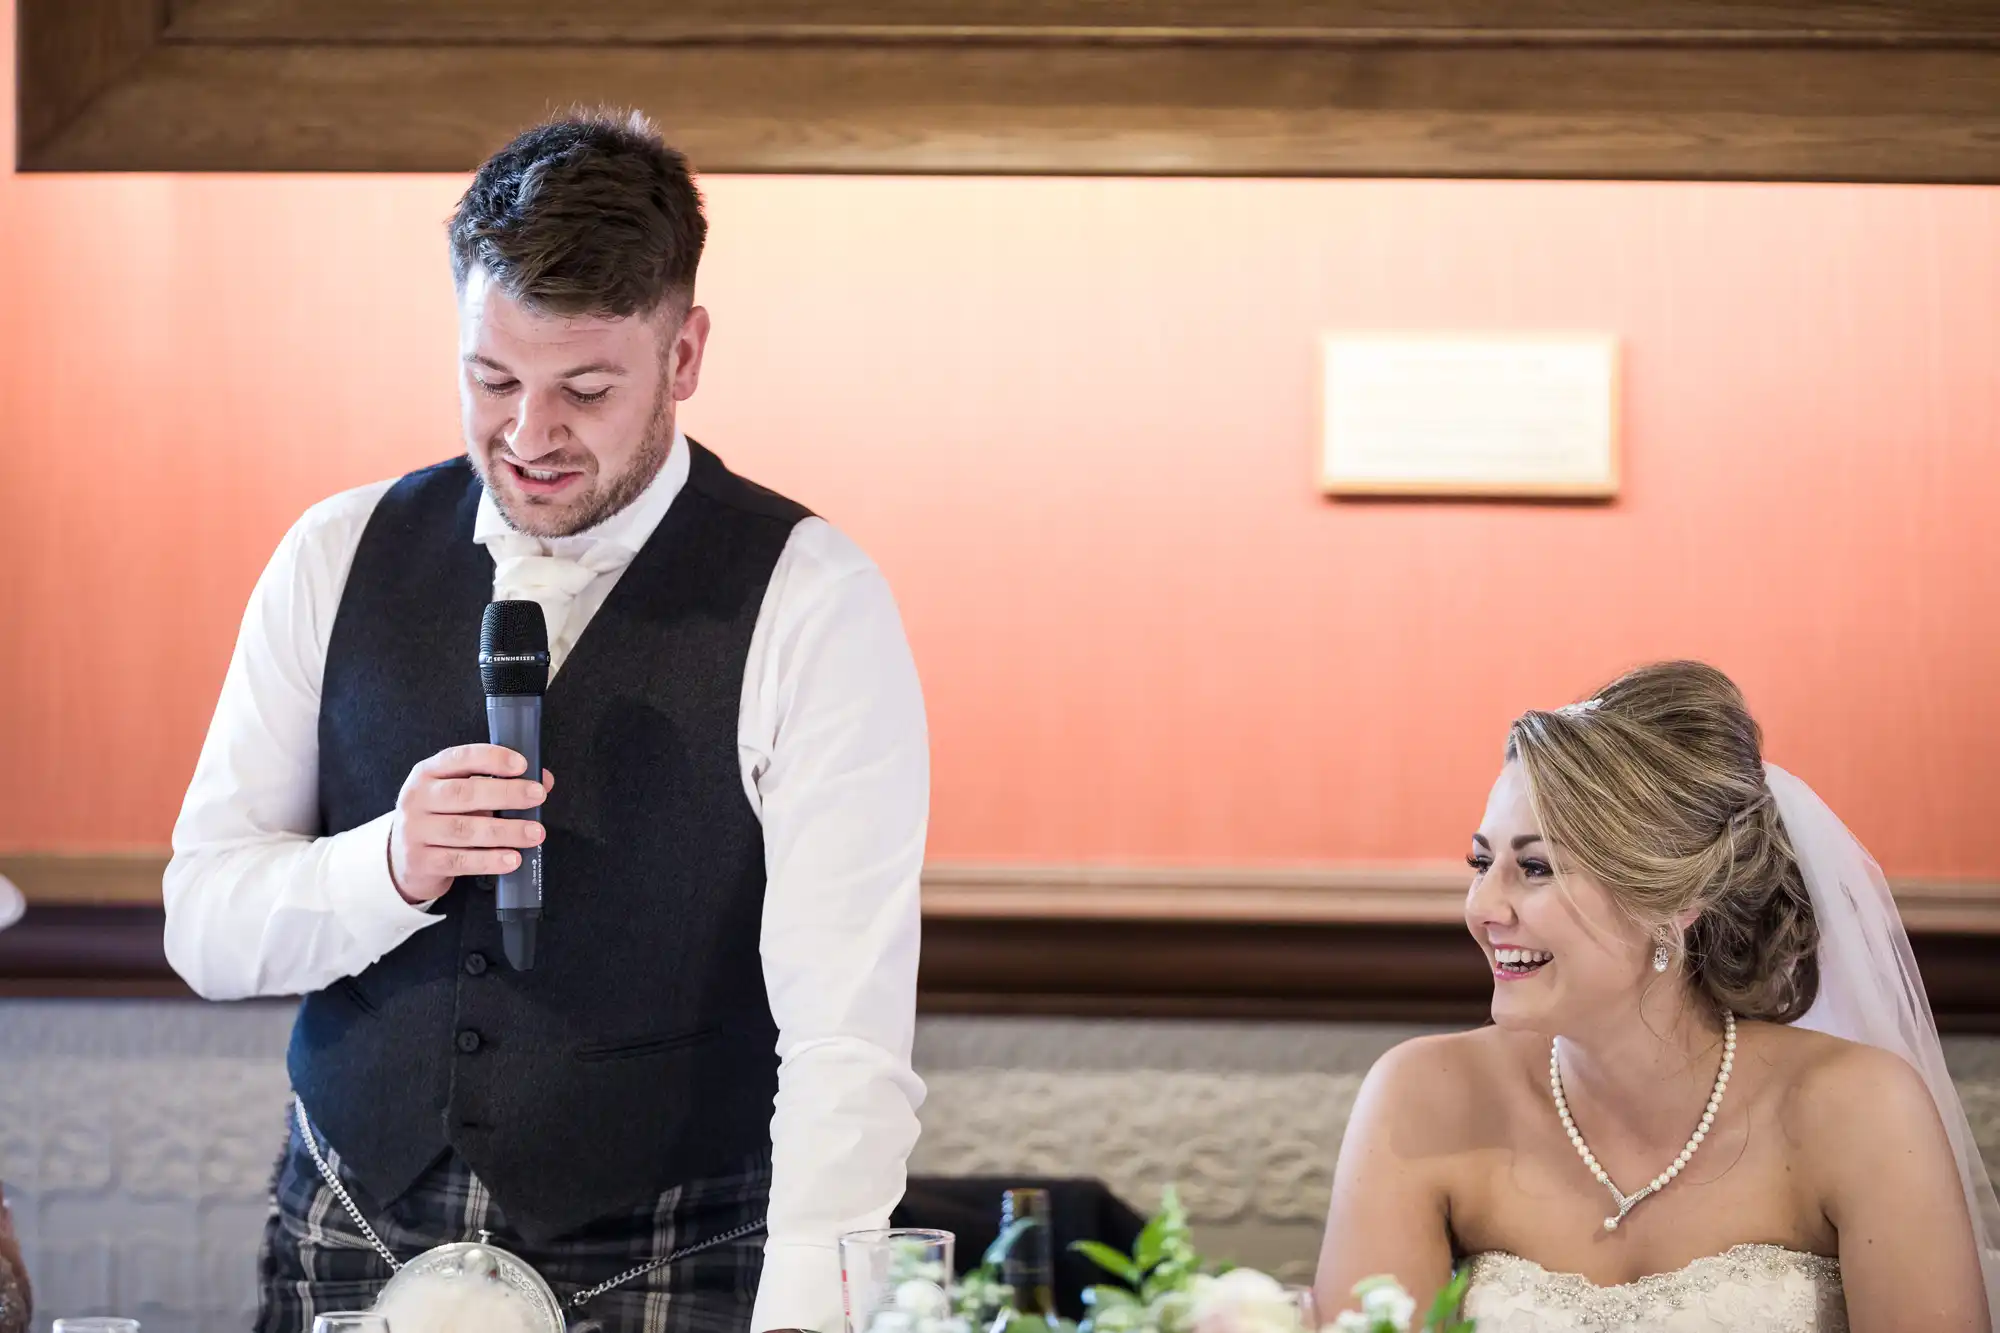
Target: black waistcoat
[640, 1051]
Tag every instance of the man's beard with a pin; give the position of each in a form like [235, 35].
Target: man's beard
[605, 498]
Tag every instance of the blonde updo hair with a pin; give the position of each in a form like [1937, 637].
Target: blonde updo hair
[1655, 788]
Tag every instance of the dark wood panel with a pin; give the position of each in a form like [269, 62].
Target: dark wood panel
[1724, 114]
[71, 950]
[66, 54]
[1203, 970]
[1321, 972]
[628, 21]
[1962, 978]
[1907, 90]
[1191, 969]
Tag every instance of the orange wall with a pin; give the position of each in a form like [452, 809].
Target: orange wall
[1074, 421]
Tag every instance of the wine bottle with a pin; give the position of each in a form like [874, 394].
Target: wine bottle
[1028, 1267]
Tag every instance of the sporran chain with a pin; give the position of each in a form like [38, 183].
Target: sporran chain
[576, 1302]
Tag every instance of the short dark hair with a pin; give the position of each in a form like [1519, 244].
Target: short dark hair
[591, 213]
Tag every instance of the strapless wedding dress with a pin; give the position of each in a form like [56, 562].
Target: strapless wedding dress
[1745, 1289]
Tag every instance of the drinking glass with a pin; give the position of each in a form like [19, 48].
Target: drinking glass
[896, 1281]
[343, 1321]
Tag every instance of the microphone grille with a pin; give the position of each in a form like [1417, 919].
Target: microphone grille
[514, 648]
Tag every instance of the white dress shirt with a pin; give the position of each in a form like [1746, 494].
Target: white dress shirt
[835, 759]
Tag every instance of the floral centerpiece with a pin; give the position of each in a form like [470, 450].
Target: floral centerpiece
[1165, 1286]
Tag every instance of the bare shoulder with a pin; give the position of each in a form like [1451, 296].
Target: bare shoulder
[1840, 1099]
[1864, 1137]
[1443, 1062]
[1430, 1087]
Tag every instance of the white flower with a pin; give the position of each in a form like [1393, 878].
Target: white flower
[1118, 1319]
[1242, 1300]
[1170, 1309]
[1389, 1303]
[922, 1299]
[952, 1324]
[1384, 1306]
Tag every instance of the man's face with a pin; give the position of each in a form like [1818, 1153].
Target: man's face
[568, 417]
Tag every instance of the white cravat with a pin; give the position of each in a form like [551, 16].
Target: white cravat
[572, 576]
[523, 570]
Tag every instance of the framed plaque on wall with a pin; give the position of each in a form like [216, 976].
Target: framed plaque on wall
[1523, 415]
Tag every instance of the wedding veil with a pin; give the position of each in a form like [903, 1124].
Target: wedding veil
[1869, 988]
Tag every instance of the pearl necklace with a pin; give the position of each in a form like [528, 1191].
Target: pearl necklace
[1627, 1202]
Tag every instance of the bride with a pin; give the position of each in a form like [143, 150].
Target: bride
[1712, 1096]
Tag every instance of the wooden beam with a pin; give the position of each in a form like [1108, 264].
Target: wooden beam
[1398, 894]
[1664, 89]
[87, 879]
[1319, 971]
[624, 22]
[66, 55]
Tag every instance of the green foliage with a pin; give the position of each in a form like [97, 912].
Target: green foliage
[1443, 1314]
[1162, 1277]
[1161, 1287]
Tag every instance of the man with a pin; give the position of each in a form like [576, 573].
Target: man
[721, 1006]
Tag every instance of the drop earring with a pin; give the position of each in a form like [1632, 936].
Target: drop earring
[1661, 957]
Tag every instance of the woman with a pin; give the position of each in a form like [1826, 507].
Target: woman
[1658, 1131]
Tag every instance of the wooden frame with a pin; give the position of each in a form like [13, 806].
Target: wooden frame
[1878, 90]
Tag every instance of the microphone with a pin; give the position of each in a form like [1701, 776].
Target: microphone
[514, 668]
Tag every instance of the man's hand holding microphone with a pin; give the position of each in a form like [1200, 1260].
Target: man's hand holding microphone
[445, 824]
[472, 809]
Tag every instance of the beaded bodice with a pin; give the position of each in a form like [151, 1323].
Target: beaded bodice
[1745, 1289]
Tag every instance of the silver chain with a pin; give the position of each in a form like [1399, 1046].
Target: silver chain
[576, 1302]
[748, 1229]
[340, 1190]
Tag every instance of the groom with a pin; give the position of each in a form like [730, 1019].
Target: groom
[718, 1025]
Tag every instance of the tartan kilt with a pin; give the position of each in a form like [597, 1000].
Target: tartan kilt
[315, 1260]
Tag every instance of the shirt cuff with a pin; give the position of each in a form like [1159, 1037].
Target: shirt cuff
[800, 1288]
[362, 893]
